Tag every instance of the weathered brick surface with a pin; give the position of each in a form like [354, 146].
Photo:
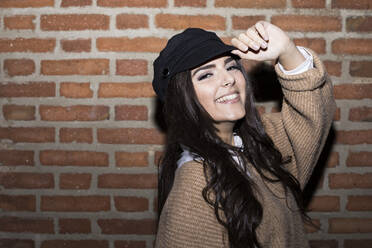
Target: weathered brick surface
[28, 134]
[345, 4]
[359, 203]
[19, 112]
[131, 67]
[19, 67]
[26, 3]
[24, 243]
[75, 203]
[131, 204]
[127, 181]
[131, 159]
[131, 112]
[126, 226]
[130, 3]
[30, 225]
[78, 158]
[75, 181]
[250, 4]
[76, 46]
[308, 4]
[350, 181]
[124, 44]
[74, 225]
[75, 90]
[307, 23]
[74, 113]
[17, 203]
[184, 21]
[25, 180]
[74, 22]
[129, 244]
[78, 135]
[359, 24]
[131, 21]
[31, 45]
[129, 136]
[352, 46]
[74, 243]
[127, 90]
[359, 159]
[350, 225]
[75, 67]
[190, 3]
[16, 157]
[77, 3]
[31, 89]
[325, 204]
[19, 22]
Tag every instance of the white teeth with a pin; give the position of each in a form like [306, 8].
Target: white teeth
[227, 98]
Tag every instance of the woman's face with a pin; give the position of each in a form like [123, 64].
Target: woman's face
[220, 88]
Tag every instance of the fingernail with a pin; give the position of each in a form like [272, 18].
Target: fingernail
[255, 47]
[263, 45]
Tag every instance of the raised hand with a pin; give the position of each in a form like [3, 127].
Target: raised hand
[265, 41]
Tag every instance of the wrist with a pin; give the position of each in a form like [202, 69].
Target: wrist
[291, 57]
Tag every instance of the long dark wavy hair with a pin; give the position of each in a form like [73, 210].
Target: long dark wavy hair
[232, 189]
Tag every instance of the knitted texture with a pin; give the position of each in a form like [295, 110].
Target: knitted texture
[300, 131]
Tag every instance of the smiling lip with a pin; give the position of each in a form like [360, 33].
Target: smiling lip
[230, 98]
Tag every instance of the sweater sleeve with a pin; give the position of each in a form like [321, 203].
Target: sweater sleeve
[302, 126]
[186, 219]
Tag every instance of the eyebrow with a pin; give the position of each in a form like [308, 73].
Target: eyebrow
[228, 60]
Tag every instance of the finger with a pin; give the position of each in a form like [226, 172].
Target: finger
[253, 34]
[262, 30]
[247, 55]
[251, 43]
[239, 44]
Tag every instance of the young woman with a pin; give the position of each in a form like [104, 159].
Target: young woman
[230, 178]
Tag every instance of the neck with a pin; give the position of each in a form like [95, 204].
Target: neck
[225, 132]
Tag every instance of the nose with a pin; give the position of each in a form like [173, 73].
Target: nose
[227, 79]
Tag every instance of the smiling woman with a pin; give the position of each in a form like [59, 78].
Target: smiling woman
[230, 178]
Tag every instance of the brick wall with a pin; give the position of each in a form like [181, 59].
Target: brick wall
[78, 142]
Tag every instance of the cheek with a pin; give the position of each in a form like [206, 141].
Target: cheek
[205, 97]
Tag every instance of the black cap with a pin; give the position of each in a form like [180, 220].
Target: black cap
[184, 51]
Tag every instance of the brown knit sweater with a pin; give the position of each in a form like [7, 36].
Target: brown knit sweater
[299, 131]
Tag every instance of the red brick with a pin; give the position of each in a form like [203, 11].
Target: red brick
[158, 156]
[14, 157]
[352, 46]
[31, 45]
[354, 137]
[126, 226]
[26, 3]
[360, 114]
[316, 44]
[124, 44]
[353, 91]
[363, 159]
[15, 243]
[308, 4]
[28, 134]
[19, 112]
[32, 89]
[307, 23]
[81, 203]
[244, 22]
[127, 181]
[19, 22]
[310, 228]
[360, 243]
[190, 3]
[131, 204]
[74, 113]
[323, 243]
[74, 22]
[131, 159]
[76, 135]
[350, 225]
[251, 4]
[75, 90]
[126, 90]
[63, 243]
[30, 225]
[132, 21]
[325, 204]
[131, 67]
[76, 46]
[170, 21]
[131, 112]
[75, 67]
[350, 181]
[131, 3]
[129, 244]
[361, 68]
[24, 180]
[75, 181]
[359, 203]
[337, 115]
[74, 226]
[76, 3]
[333, 160]
[73, 158]
[17, 203]
[19, 67]
[333, 67]
[129, 136]
[359, 24]
[347, 4]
